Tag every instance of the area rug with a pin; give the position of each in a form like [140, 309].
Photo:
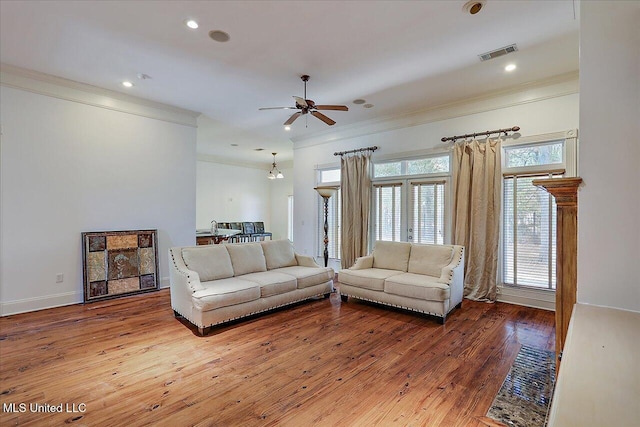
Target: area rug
[525, 395]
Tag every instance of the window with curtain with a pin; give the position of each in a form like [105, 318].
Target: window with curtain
[529, 213]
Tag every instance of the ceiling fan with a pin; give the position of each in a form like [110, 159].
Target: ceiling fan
[307, 106]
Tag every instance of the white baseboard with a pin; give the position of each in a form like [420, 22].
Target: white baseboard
[535, 298]
[40, 303]
[26, 305]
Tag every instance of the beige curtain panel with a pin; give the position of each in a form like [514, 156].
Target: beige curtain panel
[476, 218]
[355, 185]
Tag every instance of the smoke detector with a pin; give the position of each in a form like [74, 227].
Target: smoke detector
[473, 6]
[498, 52]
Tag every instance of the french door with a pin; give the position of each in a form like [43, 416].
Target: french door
[410, 211]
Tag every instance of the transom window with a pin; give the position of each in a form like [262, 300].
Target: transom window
[423, 166]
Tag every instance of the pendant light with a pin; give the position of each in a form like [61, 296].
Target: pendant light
[275, 173]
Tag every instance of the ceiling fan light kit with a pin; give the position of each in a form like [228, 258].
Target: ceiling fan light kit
[308, 106]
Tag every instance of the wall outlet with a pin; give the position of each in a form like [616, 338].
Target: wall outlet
[59, 278]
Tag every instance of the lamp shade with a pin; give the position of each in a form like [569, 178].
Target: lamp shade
[326, 191]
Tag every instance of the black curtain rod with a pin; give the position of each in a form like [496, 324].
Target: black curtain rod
[340, 153]
[473, 135]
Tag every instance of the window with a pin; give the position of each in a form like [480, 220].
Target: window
[330, 177]
[333, 222]
[387, 210]
[290, 218]
[422, 166]
[427, 223]
[409, 200]
[529, 233]
[534, 155]
[528, 253]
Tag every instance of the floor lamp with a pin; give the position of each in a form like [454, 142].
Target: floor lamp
[326, 193]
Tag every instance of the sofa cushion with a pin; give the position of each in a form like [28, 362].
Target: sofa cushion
[278, 253]
[309, 276]
[211, 262]
[246, 258]
[418, 286]
[272, 282]
[224, 293]
[429, 259]
[391, 255]
[370, 278]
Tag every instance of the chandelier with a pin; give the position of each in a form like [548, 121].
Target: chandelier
[275, 172]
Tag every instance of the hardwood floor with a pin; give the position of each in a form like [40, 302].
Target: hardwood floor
[320, 363]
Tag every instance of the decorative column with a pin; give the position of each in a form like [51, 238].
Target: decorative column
[326, 193]
[565, 191]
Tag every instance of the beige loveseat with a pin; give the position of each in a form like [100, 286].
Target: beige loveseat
[423, 278]
[217, 283]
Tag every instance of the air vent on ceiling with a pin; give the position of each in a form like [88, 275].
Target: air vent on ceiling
[498, 52]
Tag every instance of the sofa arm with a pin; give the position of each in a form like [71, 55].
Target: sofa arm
[453, 275]
[362, 263]
[455, 267]
[306, 261]
[181, 276]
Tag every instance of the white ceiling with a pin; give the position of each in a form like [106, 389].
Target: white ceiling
[401, 56]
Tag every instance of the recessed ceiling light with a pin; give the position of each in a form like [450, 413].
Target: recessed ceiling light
[127, 83]
[258, 149]
[234, 145]
[219, 36]
[287, 128]
[191, 24]
[473, 6]
[510, 67]
[368, 105]
[359, 101]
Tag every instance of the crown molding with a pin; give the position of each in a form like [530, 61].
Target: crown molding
[231, 162]
[561, 85]
[57, 87]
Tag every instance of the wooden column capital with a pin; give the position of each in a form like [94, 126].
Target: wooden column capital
[565, 190]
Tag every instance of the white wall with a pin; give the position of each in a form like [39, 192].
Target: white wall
[69, 167]
[609, 200]
[233, 193]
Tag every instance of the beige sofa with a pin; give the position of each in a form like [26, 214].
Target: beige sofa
[217, 283]
[423, 278]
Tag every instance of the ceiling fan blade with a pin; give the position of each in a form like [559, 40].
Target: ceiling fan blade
[300, 101]
[277, 108]
[324, 118]
[292, 118]
[332, 107]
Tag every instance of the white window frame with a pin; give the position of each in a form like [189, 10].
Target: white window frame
[406, 180]
[319, 244]
[568, 168]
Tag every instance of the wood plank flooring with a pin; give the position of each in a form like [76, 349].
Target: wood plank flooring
[321, 363]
